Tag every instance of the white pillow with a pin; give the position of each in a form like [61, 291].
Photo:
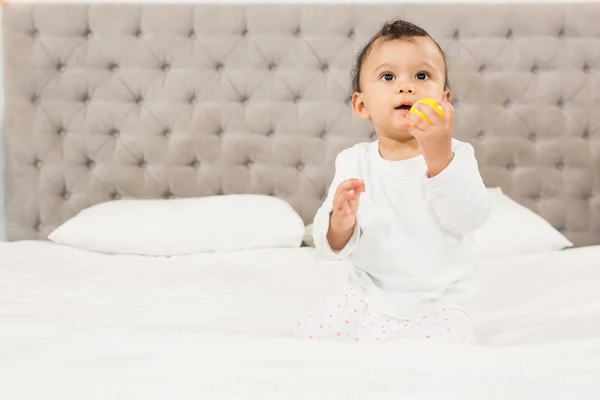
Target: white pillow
[183, 226]
[514, 229]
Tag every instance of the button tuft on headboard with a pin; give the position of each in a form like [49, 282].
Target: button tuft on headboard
[585, 134]
[533, 137]
[535, 69]
[351, 34]
[509, 34]
[586, 68]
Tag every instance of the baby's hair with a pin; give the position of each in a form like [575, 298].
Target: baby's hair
[393, 30]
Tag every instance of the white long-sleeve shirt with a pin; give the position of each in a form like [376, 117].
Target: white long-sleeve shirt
[411, 249]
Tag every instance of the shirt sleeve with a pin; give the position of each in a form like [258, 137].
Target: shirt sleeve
[458, 193]
[321, 221]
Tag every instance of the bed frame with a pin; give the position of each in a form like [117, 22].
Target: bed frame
[107, 101]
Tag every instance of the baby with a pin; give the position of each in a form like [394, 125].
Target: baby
[402, 208]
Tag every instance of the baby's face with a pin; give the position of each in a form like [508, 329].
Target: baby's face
[394, 76]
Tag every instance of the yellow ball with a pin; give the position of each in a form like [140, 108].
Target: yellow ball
[431, 102]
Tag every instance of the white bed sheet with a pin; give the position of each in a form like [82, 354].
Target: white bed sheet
[75, 324]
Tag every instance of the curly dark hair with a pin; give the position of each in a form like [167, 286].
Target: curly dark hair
[392, 30]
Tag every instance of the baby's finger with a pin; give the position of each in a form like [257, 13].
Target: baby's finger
[416, 131]
[347, 185]
[434, 117]
[354, 206]
[417, 121]
[448, 112]
[347, 208]
[339, 200]
[361, 186]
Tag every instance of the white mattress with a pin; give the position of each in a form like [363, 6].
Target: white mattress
[81, 325]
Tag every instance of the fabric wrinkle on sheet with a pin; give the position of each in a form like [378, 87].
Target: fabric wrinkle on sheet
[346, 316]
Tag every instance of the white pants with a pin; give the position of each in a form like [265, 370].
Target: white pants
[346, 316]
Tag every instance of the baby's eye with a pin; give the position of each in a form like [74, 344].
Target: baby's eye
[387, 77]
[422, 76]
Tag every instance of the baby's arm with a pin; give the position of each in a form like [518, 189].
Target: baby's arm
[335, 228]
[458, 193]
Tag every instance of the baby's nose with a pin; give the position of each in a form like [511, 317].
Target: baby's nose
[404, 89]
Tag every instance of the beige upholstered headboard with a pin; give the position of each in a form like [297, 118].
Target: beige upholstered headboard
[123, 100]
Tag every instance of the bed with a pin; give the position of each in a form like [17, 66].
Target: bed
[111, 104]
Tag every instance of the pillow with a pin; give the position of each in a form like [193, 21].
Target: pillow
[183, 226]
[514, 229]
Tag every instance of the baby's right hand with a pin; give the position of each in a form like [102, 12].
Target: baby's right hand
[345, 205]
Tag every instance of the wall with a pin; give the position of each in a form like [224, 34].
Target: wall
[2, 224]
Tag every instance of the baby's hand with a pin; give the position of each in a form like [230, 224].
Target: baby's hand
[345, 205]
[435, 138]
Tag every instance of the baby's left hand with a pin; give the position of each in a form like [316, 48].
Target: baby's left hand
[435, 138]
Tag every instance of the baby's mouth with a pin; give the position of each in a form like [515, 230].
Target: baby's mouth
[404, 108]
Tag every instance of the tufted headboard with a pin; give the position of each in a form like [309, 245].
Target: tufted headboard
[105, 101]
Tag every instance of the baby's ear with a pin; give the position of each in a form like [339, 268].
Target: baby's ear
[448, 96]
[359, 106]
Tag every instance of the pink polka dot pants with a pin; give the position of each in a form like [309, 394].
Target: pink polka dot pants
[345, 316]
